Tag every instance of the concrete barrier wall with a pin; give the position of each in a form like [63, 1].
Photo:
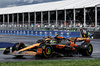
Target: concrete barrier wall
[66, 34]
[6, 44]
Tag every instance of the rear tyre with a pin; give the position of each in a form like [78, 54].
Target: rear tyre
[47, 51]
[86, 49]
[18, 46]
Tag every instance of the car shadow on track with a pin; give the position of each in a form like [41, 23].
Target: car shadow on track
[26, 58]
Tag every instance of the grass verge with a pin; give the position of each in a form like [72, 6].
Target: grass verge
[86, 62]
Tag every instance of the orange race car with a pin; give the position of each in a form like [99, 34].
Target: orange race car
[49, 46]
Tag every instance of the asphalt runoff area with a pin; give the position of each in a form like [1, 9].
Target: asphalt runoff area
[32, 39]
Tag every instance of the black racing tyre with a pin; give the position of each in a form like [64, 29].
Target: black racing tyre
[86, 49]
[47, 51]
[18, 46]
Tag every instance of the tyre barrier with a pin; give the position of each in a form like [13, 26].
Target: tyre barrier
[66, 34]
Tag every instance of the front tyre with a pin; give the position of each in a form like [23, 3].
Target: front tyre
[18, 46]
[86, 49]
[47, 51]
[89, 49]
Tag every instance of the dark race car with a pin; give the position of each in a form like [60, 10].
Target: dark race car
[49, 47]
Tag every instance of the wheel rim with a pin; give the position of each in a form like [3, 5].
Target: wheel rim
[89, 49]
[48, 50]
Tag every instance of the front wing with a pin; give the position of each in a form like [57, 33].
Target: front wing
[26, 52]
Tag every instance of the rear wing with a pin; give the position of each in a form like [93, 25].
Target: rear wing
[78, 39]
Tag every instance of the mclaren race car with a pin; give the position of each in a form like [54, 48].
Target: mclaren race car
[48, 47]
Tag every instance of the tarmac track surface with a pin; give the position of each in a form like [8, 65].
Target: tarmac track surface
[32, 39]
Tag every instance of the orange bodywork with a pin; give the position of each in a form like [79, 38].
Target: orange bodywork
[60, 37]
[29, 53]
[73, 45]
[29, 47]
[87, 40]
[60, 46]
[13, 52]
[82, 39]
[78, 39]
[39, 51]
[47, 39]
[73, 48]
